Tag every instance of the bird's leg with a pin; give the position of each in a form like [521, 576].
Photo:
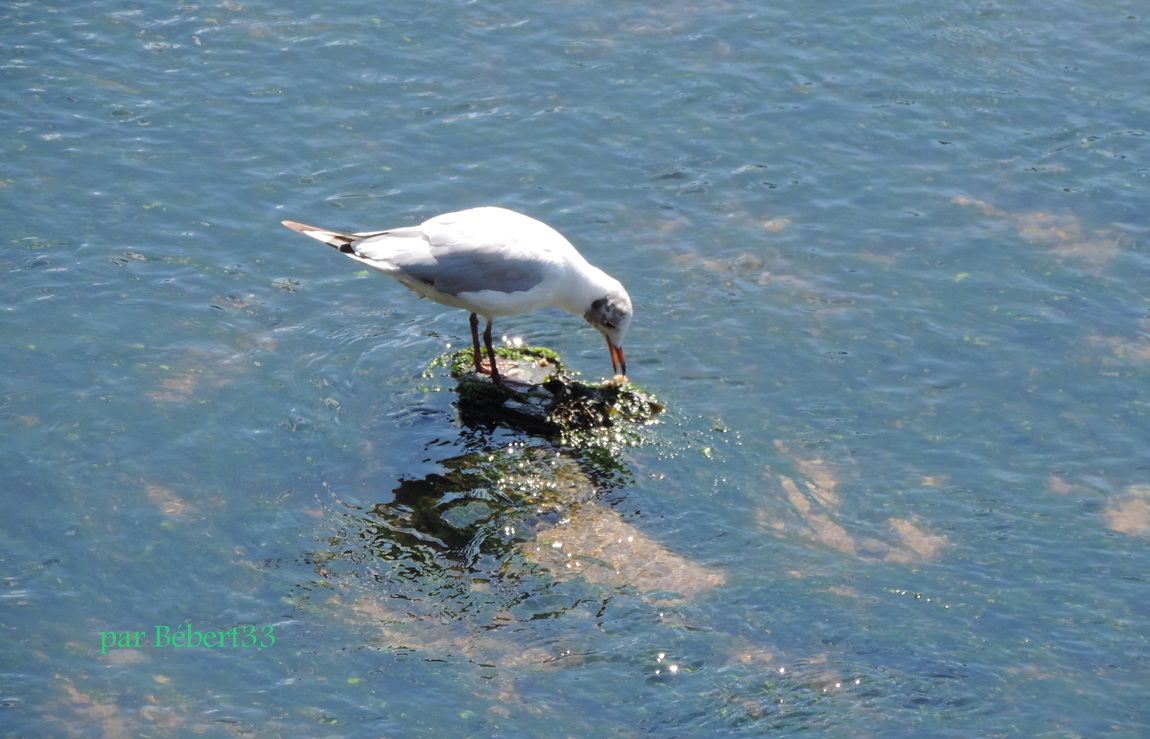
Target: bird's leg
[494, 371]
[495, 378]
[475, 342]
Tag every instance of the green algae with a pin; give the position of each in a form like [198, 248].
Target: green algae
[541, 396]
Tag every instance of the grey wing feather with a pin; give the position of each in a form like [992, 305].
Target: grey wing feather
[454, 265]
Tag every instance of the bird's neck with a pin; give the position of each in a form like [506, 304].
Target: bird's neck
[583, 288]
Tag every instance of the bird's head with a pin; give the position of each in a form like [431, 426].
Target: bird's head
[611, 315]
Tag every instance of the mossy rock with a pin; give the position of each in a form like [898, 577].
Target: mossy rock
[542, 397]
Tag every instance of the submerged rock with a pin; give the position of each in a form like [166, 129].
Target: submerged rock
[542, 397]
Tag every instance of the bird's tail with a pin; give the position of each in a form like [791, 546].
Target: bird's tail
[337, 239]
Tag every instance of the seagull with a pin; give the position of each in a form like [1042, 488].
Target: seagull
[492, 262]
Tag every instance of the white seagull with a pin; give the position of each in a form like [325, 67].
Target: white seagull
[492, 262]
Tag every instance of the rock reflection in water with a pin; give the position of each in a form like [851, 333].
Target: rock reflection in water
[484, 543]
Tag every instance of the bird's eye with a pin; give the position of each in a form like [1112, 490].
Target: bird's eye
[604, 313]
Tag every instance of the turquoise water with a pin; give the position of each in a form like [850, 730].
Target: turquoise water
[890, 282]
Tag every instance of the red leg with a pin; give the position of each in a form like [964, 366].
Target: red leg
[475, 342]
[491, 356]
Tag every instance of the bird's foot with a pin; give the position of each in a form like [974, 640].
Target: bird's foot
[503, 378]
[485, 368]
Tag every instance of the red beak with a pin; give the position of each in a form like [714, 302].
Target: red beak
[618, 360]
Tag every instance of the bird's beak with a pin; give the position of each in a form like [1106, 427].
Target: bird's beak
[618, 360]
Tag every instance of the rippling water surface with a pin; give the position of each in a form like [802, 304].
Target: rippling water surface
[890, 276]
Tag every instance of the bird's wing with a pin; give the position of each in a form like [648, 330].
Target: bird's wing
[458, 259]
[483, 249]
